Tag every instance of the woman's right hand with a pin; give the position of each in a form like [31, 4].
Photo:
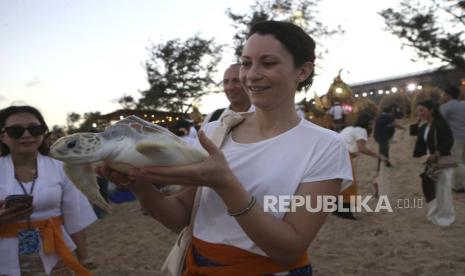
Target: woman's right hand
[8, 215]
[122, 180]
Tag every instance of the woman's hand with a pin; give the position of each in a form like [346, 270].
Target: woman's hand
[432, 158]
[213, 172]
[8, 215]
[122, 180]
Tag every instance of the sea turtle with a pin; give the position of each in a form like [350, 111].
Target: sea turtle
[131, 142]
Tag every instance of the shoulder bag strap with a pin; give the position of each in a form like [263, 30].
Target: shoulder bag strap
[216, 114]
[228, 122]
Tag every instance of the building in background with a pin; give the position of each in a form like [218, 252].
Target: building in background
[162, 118]
[409, 83]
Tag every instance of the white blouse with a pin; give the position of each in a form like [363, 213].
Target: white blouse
[54, 195]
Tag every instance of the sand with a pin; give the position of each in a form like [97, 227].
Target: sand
[399, 243]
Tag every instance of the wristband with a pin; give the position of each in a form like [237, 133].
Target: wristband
[244, 210]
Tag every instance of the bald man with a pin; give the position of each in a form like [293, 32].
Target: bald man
[237, 97]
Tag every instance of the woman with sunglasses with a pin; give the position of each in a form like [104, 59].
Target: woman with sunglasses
[42, 235]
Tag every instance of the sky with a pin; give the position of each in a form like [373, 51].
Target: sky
[65, 56]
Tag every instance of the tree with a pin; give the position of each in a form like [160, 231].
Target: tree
[90, 118]
[301, 12]
[179, 73]
[433, 28]
[88, 121]
[71, 120]
[127, 102]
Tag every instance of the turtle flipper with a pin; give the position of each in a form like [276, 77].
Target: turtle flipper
[84, 178]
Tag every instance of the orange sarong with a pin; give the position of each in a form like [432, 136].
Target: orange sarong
[234, 261]
[52, 240]
[352, 189]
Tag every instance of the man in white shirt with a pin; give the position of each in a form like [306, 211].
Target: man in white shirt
[453, 112]
[237, 97]
[337, 113]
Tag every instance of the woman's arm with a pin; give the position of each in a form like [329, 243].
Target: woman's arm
[172, 211]
[361, 145]
[398, 126]
[285, 241]
[414, 129]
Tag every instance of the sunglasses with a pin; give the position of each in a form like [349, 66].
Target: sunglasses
[17, 132]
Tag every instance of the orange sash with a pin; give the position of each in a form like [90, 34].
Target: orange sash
[234, 261]
[52, 239]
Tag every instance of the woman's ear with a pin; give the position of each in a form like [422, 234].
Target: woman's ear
[305, 71]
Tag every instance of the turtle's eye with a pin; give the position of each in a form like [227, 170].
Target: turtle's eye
[71, 144]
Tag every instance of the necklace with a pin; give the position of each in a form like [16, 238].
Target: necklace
[25, 174]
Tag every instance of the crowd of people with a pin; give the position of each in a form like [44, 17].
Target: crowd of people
[440, 132]
[262, 153]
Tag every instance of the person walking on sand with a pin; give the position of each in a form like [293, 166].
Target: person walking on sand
[356, 137]
[453, 112]
[385, 127]
[434, 139]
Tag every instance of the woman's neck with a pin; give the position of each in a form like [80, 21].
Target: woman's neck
[24, 162]
[274, 122]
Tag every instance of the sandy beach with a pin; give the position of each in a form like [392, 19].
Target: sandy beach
[399, 243]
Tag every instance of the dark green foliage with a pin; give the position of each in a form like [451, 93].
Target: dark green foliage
[303, 13]
[72, 119]
[127, 102]
[179, 73]
[434, 28]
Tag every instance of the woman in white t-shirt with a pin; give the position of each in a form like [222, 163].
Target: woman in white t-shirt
[355, 137]
[269, 157]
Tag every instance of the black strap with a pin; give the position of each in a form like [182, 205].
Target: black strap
[216, 115]
[25, 193]
[24, 188]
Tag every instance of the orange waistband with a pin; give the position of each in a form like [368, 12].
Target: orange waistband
[52, 239]
[234, 261]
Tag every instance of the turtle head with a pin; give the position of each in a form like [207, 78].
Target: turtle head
[78, 148]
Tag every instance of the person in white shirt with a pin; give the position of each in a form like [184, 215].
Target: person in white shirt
[46, 232]
[300, 111]
[338, 115]
[453, 112]
[237, 97]
[182, 129]
[272, 152]
[356, 137]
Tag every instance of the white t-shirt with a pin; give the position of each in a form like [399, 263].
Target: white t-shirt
[192, 132]
[337, 112]
[275, 166]
[351, 135]
[54, 195]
